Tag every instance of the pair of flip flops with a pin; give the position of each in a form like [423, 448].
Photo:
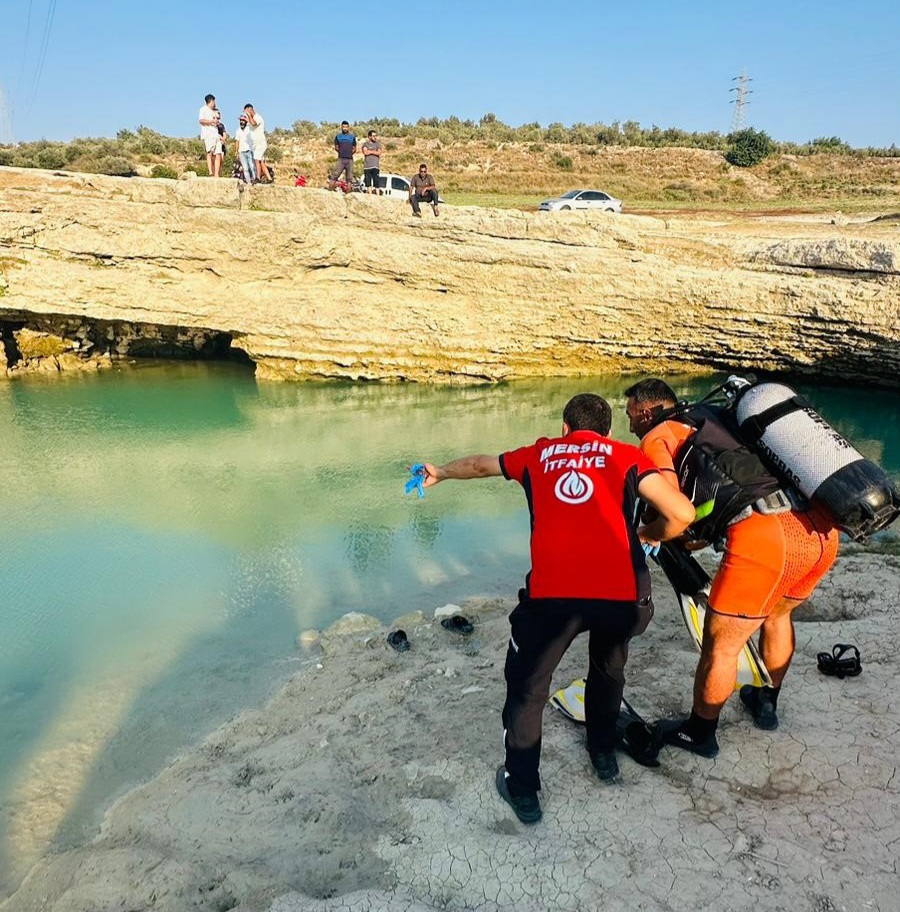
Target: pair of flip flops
[837, 665]
[397, 639]
[458, 624]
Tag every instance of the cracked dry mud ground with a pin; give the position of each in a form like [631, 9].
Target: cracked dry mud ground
[367, 785]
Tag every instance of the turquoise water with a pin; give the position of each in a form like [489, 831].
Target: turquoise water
[170, 529]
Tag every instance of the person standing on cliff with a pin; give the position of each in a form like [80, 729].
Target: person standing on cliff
[422, 189]
[589, 574]
[209, 119]
[372, 163]
[244, 147]
[345, 146]
[260, 144]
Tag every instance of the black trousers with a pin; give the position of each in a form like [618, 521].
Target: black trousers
[429, 196]
[542, 631]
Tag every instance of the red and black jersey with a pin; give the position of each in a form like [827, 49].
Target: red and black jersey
[582, 495]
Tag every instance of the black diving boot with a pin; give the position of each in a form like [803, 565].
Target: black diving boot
[693, 734]
[761, 703]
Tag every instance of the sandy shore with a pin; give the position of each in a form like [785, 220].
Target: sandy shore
[367, 784]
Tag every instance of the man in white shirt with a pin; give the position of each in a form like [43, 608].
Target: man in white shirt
[244, 145]
[209, 132]
[258, 135]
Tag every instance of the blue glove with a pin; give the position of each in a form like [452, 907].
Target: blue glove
[650, 550]
[416, 482]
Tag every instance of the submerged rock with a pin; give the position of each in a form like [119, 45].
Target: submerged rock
[309, 639]
[353, 622]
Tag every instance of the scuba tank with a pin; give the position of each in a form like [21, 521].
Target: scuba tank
[800, 447]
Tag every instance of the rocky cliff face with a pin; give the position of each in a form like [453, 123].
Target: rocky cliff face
[308, 283]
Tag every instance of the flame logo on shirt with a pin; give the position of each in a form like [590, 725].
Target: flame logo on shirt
[574, 488]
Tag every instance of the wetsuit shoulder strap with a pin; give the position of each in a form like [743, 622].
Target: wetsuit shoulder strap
[679, 412]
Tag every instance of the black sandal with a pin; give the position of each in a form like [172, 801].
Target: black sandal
[837, 666]
[399, 640]
[458, 624]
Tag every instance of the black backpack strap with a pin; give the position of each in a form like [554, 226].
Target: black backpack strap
[753, 428]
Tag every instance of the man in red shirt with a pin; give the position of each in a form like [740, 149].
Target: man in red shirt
[588, 573]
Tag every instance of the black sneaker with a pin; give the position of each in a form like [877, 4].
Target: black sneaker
[526, 807]
[605, 765]
[671, 732]
[758, 701]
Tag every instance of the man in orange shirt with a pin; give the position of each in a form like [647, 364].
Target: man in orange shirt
[772, 564]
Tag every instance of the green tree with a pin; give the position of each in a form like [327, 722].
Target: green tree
[608, 135]
[50, 158]
[749, 147]
[555, 133]
[828, 144]
[116, 165]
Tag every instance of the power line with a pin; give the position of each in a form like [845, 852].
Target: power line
[42, 56]
[740, 101]
[21, 75]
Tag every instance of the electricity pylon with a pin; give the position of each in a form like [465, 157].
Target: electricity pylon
[740, 101]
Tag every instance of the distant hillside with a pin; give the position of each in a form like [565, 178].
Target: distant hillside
[490, 162]
[641, 177]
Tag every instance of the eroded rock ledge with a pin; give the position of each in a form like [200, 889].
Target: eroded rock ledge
[314, 284]
[45, 344]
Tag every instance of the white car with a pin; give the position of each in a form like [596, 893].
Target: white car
[582, 199]
[395, 186]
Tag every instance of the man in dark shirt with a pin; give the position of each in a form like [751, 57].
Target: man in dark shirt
[589, 573]
[345, 146]
[422, 189]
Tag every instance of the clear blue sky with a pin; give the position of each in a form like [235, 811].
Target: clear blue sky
[819, 68]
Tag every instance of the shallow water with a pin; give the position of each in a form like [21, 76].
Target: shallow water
[170, 529]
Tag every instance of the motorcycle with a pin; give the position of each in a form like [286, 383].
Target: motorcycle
[238, 172]
[355, 186]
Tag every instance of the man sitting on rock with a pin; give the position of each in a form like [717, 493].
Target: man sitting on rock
[422, 189]
[588, 573]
